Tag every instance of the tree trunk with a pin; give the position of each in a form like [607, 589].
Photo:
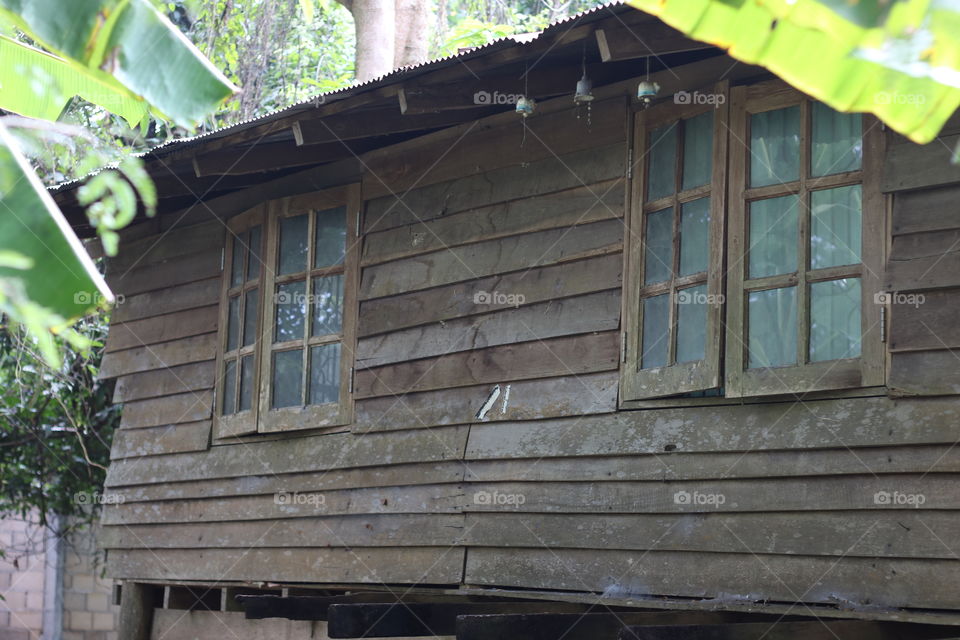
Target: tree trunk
[375, 26]
[390, 34]
[412, 34]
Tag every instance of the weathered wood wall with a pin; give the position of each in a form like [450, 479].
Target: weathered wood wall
[924, 265]
[552, 488]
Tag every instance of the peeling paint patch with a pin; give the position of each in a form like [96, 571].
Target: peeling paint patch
[489, 403]
[506, 400]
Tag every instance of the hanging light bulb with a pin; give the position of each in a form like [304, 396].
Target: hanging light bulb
[526, 106]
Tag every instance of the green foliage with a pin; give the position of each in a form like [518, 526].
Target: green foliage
[57, 426]
[121, 51]
[898, 59]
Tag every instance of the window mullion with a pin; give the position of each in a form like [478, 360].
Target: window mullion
[308, 315]
[803, 237]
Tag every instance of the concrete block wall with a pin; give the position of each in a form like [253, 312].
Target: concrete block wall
[86, 612]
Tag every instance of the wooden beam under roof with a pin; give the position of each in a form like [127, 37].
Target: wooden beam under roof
[380, 122]
[272, 157]
[628, 42]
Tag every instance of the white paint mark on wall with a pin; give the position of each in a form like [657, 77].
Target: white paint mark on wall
[506, 400]
[489, 403]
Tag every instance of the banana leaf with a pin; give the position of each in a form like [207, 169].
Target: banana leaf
[128, 46]
[897, 59]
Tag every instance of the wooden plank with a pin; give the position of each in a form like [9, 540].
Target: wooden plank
[929, 323]
[177, 242]
[457, 300]
[370, 530]
[162, 301]
[841, 493]
[136, 611]
[291, 455]
[810, 424]
[180, 270]
[172, 438]
[853, 582]
[164, 382]
[717, 465]
[271, 156]
[575, 626]
[788, 630]
[174, 624]
[570, 355]
[930, 244]
[525, 322]
[411, 565]
[200, 348]
[528, 400]
[514, 253]
[182, 407]
[601, 201]
[444, 498]
[914, 166]
[181, 324]
[904, 534]
[366, 124]
[925, 373]
[471, 189]
[394, 620]
[923, 274]
[620, 42]
[924, 210]
[480, 146]
[383, 476]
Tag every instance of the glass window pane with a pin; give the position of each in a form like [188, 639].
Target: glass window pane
[331, 237]
[253, 268]
[325, 373]
[246, 383]
[837, 143]
[835, 227]
[290, 311]
[229, 387]
[293, 244]
[772, 327]
[773, 236]
[694, 228]
[287, 377]
[327, 305]
[233, 323]
[697, 150]
[658, 246]
[692, 323]
[250, 316]
[239, 252]
[662, 162]
[656, 331]
[775, 146]
[835, 319]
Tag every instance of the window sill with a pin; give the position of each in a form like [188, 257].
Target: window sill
[719, 401]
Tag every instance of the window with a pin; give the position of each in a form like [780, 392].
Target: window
[806, 221]
[787, 296]
[676, 230]
[288, 315]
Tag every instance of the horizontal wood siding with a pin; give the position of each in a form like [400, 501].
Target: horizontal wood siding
[924, 268]
[487, 447]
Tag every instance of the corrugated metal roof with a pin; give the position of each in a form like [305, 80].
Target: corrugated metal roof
[393, 77]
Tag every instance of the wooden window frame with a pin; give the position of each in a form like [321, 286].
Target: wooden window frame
[863, 371]
[243, 422]
[672, 379]
[262, 419]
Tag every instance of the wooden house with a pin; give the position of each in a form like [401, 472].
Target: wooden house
[400, 361]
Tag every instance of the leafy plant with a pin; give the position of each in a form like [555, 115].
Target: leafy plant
[898, 59]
